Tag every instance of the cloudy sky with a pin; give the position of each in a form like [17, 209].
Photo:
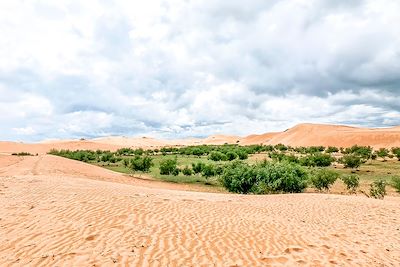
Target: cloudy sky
[180, 68]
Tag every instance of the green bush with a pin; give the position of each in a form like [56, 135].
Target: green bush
[351, 181]
[378, 189]
[238, 177]
[217, 156]
[143, 164]
[187, 171]
[267, 177]
[332, 149]
[230, 155]
[208, 170]
[396, 183]
[242, 154]
[197, 167]
[351, 161]
[168, 166]
[396, 152]
[382, 153]
[317, 160]
[323, 179]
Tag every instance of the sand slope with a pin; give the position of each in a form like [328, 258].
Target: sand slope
[58, 212]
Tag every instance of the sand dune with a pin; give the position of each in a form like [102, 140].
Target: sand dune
[59, 212]
[337, 135]
[300, 135]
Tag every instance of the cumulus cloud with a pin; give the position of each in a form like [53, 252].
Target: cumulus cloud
[191, 68]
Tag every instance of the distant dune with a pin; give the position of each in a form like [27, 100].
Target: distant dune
[337, 135]
[306, 134]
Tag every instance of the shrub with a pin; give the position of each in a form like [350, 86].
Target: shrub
[141, 163]
[217, 156]
[187, 171]
[332, 149]
[352, 182]
[323, 179]
[383, 153]
[396, 183]
[168, 166]
[22, 154]
[242, 154]
[351, 161]
[317, 160]
[238, 177]
[281, 147]
[396, 152]
[267, 177]
[197, 167]
[208, 170]
[230, 155]
[378, 189]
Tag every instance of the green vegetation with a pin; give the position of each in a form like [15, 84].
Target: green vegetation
[169, 166]
[351, 181]
[396, 183]
[236, 168]
[378, 189]
[351, 161]
[323, 179]
[265, 177]
[139, 163]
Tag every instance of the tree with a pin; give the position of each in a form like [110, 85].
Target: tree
[143, 164]
[383, 153]
[323, 179]
[351, 161]
[168, 166]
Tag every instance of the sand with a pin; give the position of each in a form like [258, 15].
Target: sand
[300, 135]
[59, 212]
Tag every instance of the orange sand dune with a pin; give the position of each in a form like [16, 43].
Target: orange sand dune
[300, 135]
[336, 135]
[59, 212]
[257, 138]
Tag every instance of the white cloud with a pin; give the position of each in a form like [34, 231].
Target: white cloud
[180, 68]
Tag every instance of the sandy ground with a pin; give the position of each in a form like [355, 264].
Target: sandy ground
[59, 212]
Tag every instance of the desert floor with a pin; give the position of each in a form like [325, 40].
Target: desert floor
[59, 212]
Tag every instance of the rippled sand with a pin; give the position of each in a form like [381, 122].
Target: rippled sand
[59, 212]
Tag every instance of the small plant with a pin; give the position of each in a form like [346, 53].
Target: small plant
[187, 171]
[396, 183]
[323, 179]
[378, 189]
[352, 182]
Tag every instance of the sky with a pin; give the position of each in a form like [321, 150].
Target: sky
[191, 68]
